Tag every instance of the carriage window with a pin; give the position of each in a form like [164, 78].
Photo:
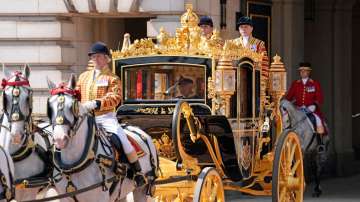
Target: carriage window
[246, 80]
[164, 82]
[257, 93]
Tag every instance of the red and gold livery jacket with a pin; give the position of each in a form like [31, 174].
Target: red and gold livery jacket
[257, 46]
[106, 88]
[306, 94]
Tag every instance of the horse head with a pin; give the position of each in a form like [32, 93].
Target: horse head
[17, 103]
[286, 107]
[63, 110]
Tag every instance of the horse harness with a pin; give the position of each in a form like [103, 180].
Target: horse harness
[28, 146]
[8, 192]
[88, 157]
[91, 146]
[15, 113]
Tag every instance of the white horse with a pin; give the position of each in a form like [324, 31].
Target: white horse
[313, 145]
[6, 176]
[28, 150]
[84, 156]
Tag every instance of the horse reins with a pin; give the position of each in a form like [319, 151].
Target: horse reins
[28, 141]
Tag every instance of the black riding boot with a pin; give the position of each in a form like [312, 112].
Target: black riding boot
[138, 177]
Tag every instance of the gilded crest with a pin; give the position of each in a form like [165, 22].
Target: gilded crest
[165, 147]
[246, 156]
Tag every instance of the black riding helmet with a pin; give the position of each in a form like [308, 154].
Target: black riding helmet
[206, 20]
[244, 20]
[99, 47]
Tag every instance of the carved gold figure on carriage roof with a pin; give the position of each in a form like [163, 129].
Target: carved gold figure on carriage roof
[187, 41]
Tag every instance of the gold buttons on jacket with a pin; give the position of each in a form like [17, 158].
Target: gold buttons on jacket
[303, 96]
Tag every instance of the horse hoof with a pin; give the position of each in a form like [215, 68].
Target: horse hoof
[317, 193]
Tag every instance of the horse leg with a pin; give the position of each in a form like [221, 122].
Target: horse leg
[317, 169]
[50, 192]
[139, 194]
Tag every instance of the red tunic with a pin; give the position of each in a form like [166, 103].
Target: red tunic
[306, 95]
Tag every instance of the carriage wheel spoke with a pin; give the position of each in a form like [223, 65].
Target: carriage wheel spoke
[208, 188]
[288, 155]
[214, 192]
[293, 149]
[282, 194]
[295, 167]
[283, 165]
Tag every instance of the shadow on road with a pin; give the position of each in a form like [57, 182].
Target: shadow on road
[334, 190]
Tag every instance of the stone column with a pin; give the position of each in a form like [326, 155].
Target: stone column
[288, 33]
[342, 28]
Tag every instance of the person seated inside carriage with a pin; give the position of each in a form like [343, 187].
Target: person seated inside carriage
[186, 89]
[307, 95]
[100, 92]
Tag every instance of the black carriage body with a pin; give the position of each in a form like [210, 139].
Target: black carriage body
[155, 116]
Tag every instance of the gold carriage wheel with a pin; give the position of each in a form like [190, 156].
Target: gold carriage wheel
[209, 187]
[288, 172]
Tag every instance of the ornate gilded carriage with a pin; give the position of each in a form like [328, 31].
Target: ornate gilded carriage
[225, 132]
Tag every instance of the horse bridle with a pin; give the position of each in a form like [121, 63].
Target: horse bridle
[60, 118]
[15, 113]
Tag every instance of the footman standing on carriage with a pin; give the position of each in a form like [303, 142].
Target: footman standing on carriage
[207, 26]
[100, 92]
[306, 94]
[246, 40]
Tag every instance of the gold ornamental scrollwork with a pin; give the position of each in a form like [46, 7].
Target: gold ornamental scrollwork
[187, 41]
[246, 156]
[165, 147]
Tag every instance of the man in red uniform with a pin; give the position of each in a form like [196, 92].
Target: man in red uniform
[306, 94]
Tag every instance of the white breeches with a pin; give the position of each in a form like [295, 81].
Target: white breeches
[110, 123]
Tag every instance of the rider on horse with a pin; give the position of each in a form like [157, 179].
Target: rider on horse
[306, 94]
[101, 91]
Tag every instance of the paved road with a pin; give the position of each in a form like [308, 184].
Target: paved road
[334, 190]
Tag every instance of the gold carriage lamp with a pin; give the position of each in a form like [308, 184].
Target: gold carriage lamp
[225, 83]
[277, 77]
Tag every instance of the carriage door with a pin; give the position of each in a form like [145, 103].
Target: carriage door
[247, 115]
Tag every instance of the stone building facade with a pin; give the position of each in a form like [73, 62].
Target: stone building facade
[53, 37]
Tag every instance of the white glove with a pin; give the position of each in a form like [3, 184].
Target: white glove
[89, 106]
[311, 108]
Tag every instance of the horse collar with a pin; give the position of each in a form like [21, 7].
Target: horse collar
[87, 157]
[25, 149]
